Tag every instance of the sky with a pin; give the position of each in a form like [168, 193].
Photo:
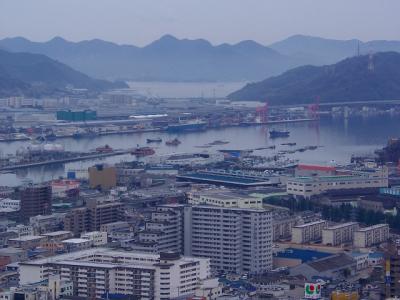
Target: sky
[140, 22]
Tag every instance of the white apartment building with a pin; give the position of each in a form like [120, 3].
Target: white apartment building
[308, 186]
[97, 238]
[372, 235]
[99, 271]
[237, 240]
[164, 232]
[224, 198]
[22, 230]
[10, 204]
[309, 232]
[339, 234]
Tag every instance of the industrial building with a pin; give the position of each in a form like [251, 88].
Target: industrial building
[309, 186]
[76, 116]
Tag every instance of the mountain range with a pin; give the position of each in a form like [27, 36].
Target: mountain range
[172, 59]
[359, 78]
[36, 75]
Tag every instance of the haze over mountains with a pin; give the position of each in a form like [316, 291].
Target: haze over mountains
[172, 59]
[37, 75]
[361, 78]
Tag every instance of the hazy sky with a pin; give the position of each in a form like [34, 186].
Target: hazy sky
[142, 21]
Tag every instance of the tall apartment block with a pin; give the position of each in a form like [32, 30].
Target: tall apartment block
[372, 235]
[237, 240]
[98, 273]
[164, 232]
[35, 200]
[339, 234]
[92, 216]
[308, 232]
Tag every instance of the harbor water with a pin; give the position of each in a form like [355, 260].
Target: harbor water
[337, 140]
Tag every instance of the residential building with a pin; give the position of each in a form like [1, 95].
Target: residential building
[110, 227]
[164, 232]
[309, 232]
[93, 216]
[237, 240]
[372, 235]
[48, 223]
[225, 198]
[8, 204]
[27, 242]
[339, 234]
[22, 230]
[97, 238]
[97, 272]
[282, 224]
[58, 236]
[35, 200]
[103, 176]
[76, 244]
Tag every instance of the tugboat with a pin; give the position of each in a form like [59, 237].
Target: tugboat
[174, 142]
[143, 151]
[156, 140]
[104, 149]
[278, 134]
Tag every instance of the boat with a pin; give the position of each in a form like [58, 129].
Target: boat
[156, 140]
[104, 149]
[174, 142]
[288, 144]
[192, 125]
[143, 151]
[218, 142]
[277, 134]
[83, 134]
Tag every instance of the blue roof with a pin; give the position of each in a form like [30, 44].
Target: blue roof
[376, 255]
[303, 254]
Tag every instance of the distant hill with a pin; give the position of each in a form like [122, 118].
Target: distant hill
[321, 51]
[172, 59]
[348, 80]
[36, 74]
[166, 59]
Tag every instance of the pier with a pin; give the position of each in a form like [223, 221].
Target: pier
[65, 160]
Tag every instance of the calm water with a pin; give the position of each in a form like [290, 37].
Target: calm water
[339, 139]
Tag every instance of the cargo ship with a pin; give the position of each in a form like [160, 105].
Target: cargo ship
[143, 151]
[192, 125]
[277, 134]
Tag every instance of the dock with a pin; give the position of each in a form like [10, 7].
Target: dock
[65, 160]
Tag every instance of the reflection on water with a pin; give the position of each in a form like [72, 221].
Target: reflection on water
[339, 138]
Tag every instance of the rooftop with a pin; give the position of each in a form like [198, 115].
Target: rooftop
[316, 168]
[309, 224]
[373, 227]
[341, 225]
[304, 255]
[332, 262]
